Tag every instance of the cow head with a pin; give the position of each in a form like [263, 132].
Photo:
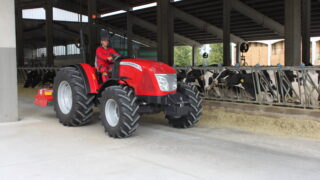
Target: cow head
[224, 75]
[181, 75]
[208, 79]
[193, 75]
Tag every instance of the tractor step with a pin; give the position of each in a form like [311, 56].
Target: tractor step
[43, 97]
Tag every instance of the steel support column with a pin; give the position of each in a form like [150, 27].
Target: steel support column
[129, 34]
[49, 33]
[194, 55]
[92, 13]
[292, 32]
[305, 28]
[226, 33]
[238, 53]
[19, 35]
[165, 31]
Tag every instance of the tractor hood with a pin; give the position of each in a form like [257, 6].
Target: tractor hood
[149, 65]
[148, 77]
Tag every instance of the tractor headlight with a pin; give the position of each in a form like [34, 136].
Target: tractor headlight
[167, 82]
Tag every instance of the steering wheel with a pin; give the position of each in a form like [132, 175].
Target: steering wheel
[116, 57]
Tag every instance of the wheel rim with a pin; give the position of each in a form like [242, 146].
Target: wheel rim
[65, 97]
[112, 112]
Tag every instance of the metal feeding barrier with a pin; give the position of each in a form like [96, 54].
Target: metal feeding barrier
[279, 86]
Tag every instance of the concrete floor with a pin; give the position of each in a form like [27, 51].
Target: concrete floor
[38, 147]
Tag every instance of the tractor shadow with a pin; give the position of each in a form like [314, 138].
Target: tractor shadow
[145, 119]
[153, 119]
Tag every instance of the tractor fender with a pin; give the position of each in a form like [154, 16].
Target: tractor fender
[112, 82]
[89, 74]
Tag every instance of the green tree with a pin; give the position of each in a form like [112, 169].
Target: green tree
[215, 52]
[199, 58]
[182, 55]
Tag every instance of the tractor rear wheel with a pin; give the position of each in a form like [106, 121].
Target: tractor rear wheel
[195, 100]
[119, 111]
[72, 104]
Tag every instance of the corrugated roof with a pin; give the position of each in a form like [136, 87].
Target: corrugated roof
[207, 10]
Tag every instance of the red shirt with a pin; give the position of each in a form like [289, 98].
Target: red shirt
[103, 64]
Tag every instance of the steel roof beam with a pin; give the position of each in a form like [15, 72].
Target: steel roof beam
[117, 4]
[135, 37]
[151, 27]
[30, 5]
[258, 17]
[203, 25]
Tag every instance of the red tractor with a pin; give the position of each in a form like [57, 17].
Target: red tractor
[136, 87]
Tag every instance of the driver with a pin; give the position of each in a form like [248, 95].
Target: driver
[104, 56]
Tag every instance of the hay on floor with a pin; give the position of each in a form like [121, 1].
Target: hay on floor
[281, 126]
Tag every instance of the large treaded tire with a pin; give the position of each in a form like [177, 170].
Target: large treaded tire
[128, 111]
[195, 100]
[82, 102]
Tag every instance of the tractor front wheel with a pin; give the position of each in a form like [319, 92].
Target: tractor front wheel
[119, 111]
[193, 116]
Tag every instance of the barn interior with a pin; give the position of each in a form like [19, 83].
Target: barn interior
[240, 135]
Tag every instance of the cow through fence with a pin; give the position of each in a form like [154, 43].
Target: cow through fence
[282, 86]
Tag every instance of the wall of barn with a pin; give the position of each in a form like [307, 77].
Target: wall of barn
[317, 61]
[257, 54]
[277, 53]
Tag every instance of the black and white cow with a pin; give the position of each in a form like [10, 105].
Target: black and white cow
[210, 82]
[216, 81]
[192, 77]
[286, 84]
[301, 88]
[235, 80]
[292, 88]
[181, 75]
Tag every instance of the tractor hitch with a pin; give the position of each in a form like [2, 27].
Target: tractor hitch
[43, 97]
